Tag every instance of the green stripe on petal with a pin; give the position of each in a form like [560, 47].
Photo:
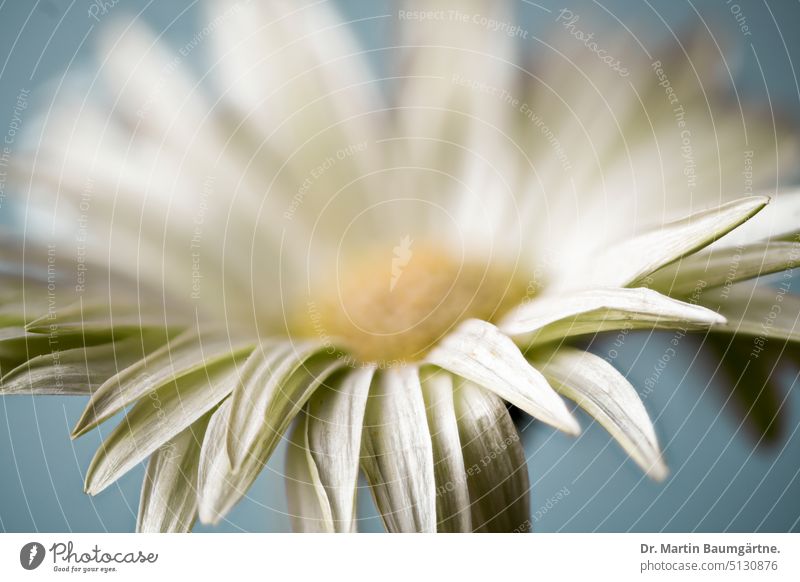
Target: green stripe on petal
[625, 263]
[96, 318]
[724, 266]
[760, 311]
[168, 502]
[604, 393]
[190, 352]
[497, 474]
[397, 455]
[79, 370]
[157, 418]
[479, 352]
[552, 318]
[17, 345]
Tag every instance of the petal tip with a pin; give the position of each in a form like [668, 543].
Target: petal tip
[658, 471]
[569, 425]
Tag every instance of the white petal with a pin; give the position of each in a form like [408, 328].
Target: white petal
[397, 452]
[168, 502]
[77, 370]
[453, 513]
[780, 219]
[219, 485]
[479, 352]
[156, 419]
[554, 317]
[150, 88]
[309, 508]
[185, 354]
[633, 259]
[294, 71]
[335, 421]
[497, 474]
[605, 394]
[760, 311]
[259, 395]
[723, 266]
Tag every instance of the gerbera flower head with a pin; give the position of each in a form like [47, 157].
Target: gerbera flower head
[373, 275]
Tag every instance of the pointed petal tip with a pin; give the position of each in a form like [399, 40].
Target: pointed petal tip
[87, 421]
[569, 425]
[80, 429]
[658, 471]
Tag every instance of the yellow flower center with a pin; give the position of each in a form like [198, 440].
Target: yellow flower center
[394, 307]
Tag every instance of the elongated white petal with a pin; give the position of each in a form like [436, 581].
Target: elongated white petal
[779, 220]
[77, 370]
[291, 70]
[168, 503]
[309, 508]
[333, 437]
[631, 260]
[397, 454]
[605, 394]
[453, 513]
[187, 353]
[150, 89]
[18, 346]
[156, 419]
[214, 473]
[259, 394]
[549, 318]
[479, 352]
[99, 318]
[497, 474]
[220, 485]
[442, 61]
[760, 311]
[724, 266]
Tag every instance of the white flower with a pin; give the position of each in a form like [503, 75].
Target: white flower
[386, 268]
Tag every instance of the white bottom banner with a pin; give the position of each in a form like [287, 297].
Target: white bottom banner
[237, 557]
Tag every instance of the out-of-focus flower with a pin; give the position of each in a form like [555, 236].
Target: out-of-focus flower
[379, 265]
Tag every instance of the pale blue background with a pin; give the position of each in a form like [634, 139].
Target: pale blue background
[718, 482]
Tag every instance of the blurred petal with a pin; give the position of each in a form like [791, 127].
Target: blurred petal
[294, 71]
[759, 311]
[756, 383]
[479, 352]
[724, 266]
[78, 370]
